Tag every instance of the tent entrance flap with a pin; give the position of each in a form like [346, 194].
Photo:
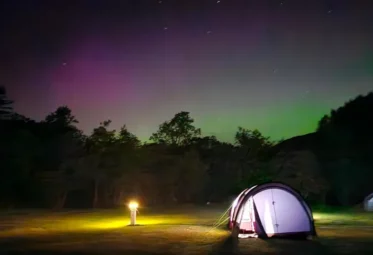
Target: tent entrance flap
[248, 218]
[263, 203]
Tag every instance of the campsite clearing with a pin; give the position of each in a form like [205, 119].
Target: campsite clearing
[182, 230]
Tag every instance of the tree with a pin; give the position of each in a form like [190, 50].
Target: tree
[125, 175]
[6, 108]
[253, 141]
[222, 166]
[61, 138]
[179, 131]
[192, 177]
[117, 159]
[19, 148]
[354, 119]
[159, 162]
[302, 171]
[62, 146]
[62, 116]
[101, 138]
[99, 150]
[345, 148]
[127, 138]
[323, 123]
[253, 149]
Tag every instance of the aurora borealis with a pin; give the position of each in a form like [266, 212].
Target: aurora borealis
[277, 66]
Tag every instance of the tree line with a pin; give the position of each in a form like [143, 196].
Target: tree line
[52, 164]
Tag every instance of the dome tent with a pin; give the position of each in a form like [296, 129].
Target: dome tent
[271, 209]
[368, 203]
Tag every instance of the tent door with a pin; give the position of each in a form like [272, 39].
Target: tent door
[290, 216]
[265, 207]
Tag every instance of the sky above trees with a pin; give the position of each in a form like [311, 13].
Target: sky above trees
[276, 66]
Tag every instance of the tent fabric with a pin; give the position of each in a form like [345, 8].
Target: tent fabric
[237, 201]
[368, 203]
[271, 209]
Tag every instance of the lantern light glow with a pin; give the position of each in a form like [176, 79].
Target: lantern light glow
[133, 205]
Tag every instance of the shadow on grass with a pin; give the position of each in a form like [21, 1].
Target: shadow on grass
[35, 246]
[46, 252]
[227, 246]
[298, 246]
[278, 246]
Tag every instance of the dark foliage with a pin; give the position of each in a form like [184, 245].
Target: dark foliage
[51, 163]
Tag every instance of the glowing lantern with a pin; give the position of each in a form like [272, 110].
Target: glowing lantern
[133, 208]
[133, 205]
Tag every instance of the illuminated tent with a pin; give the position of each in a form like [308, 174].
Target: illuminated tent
[271, 209]
[368, 203]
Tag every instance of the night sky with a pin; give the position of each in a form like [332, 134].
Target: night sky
[277, 66]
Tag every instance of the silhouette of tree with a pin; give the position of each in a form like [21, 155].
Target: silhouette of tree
[300, 170]
[127, 138]
[62, 116]
[346, 148]
[62, 144]
[352, 123]
[253, 141]
[6, 108]
[178, 131]
[253, 149]
[191, 178]
[111, 161]
[180, 166]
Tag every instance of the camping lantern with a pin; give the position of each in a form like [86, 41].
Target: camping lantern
[133, 208]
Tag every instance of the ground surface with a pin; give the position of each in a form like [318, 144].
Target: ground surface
[182, 230]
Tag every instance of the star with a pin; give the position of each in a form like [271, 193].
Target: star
[330, 11]
[64, 63]
[165, 28]
[209, 32]
[218, 1]
[159, 2]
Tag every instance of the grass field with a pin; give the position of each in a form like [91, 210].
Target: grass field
[182, 230]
